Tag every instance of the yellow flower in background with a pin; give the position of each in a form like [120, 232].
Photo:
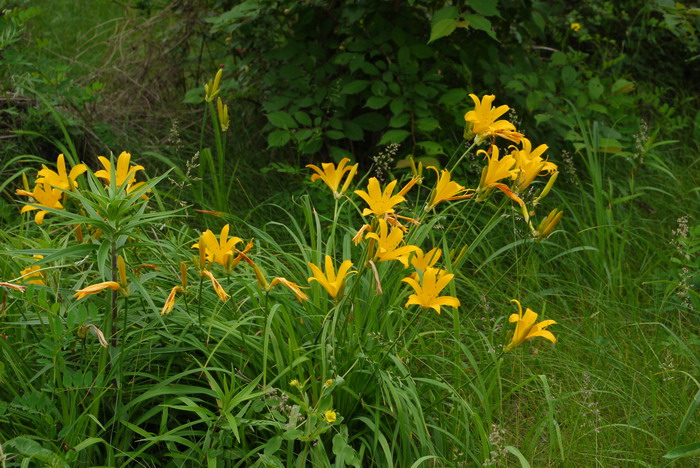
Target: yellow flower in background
[124, 172]
[548, 224]
[44, 197]
[483, 120]
[422, 262]
[428, 290]
[526, 328]
[61, 179]
[576, 27]
[446, 189]
[332, 176]
[530, 164]
[295, 383]
[332, 282]
[357, 238]
[170, 301]
[97, 288]
[330, 416]
[218, 250]
[388, 244]
[496, 170]
[218, 289]
[380, 203]
[33, 274]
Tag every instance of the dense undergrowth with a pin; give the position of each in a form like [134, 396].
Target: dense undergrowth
[212, 329]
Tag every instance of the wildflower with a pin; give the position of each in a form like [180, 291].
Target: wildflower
[526, 328]
[328, 383]
[576, 27]
[357, 238]
[380, 203]
[446, 189]
[295, 383]
[497, 169]
[97, 288]
[331, 282]
[483, 121]
[332, 176]
[46, 197]
[218, 251]
[330, 416]
[222, 111]
[295, 288]
[61, 179]
[216, 285]
[33, 271]
[125, 174]
[388, 244]
[427, 292]
[422, 262]
[529, 164]
[170, 301]
[211, 89]
[548, 224]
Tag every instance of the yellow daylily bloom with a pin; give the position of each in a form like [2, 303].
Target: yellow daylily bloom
[332, 176]
[97, 288]
[61, 179]
[483, 120]
[526, 328]
[529, 164]
[33, 274]
[331, 282]
[496, 170]
[380, 203]
[170, 301]
[357, 238]
[428, 290]
[446, 189]
[422, 262]
[124, 172]
[330, 416]
[388, 244]
[216, 285]
[218, 251]
[44, 197]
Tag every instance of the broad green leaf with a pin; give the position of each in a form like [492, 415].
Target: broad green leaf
[484, 7]
[278, 138]
[595, 88]
[377, 102]
[394, 136]
[441, 29]
[281, 119]
[683, 451]
[354, 87]
[482, 24]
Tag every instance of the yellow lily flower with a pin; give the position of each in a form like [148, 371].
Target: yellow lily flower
[44, 197]
[97, 288]
[526, 328]
[427, 292]
[218, 251]
[483, 120]
[33, 271]
[170, 301]
[331, 282]
[388, 244]
[332, 175]
[357, 238]
[380, 203]
[497, 169]
[61, 179]
[529, 164]
[446, 189]
[124, 172]
[216, 285]
[295, 288]
[422, 262]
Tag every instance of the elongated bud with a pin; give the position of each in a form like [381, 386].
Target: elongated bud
[548, 224]
[183, 275]
[262, 281]
[457, 260]
[547, 188]
[222, 110]
[121, 268]
[211, 89]
[25, 182]
[79, 233]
